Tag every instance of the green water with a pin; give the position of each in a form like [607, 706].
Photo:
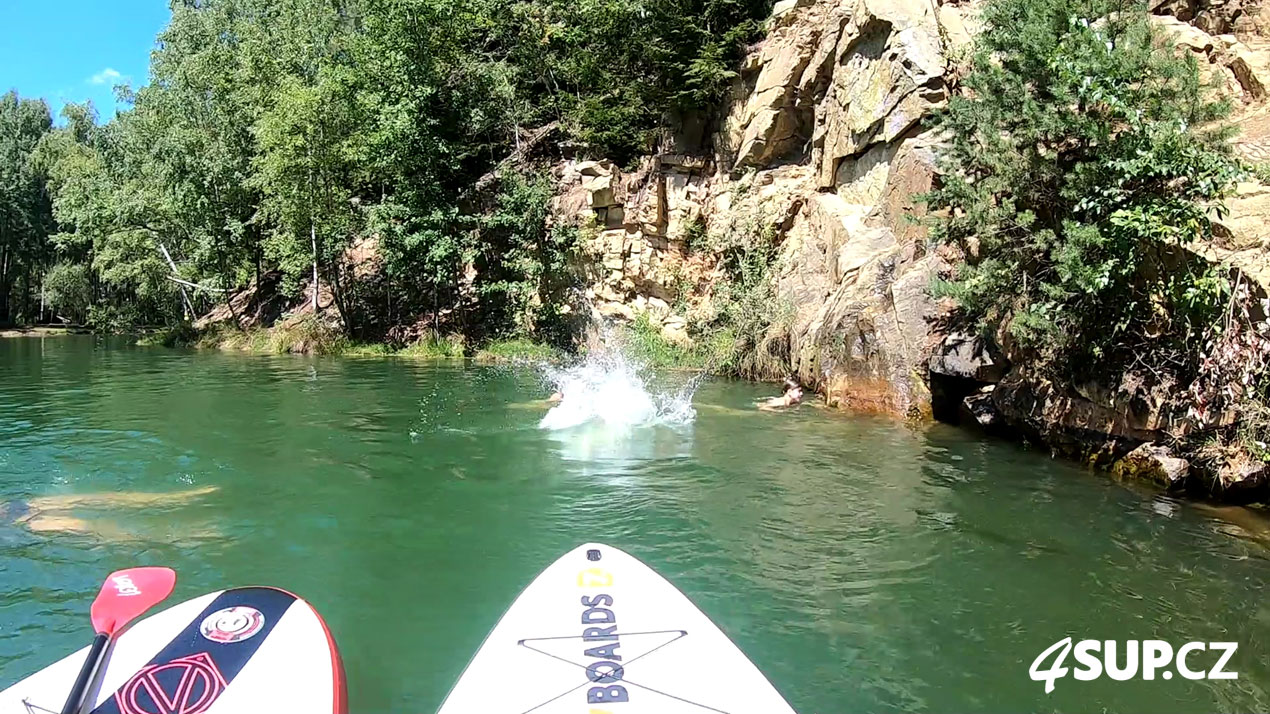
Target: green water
[862, 564]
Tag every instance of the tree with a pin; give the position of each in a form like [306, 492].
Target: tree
[1081, 152]
[25, 212]
[69, 291]
[273, 134]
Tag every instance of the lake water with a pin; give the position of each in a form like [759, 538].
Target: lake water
[863, 564]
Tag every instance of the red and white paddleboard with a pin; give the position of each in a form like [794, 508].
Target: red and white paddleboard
[599, 632]
[239, 651]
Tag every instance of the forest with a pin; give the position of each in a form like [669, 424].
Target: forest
[272, 136]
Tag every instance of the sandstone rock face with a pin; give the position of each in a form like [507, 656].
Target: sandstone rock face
[636, 225]
[823, 147]
[822, 150]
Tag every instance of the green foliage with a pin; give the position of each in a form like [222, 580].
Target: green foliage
[181, 335]
[275, 135]
[25, 211]
[643, 342]
[525, 268]
[748, 314]
[694, 235]
[1080, 155]
[435, 347]
[614, 71]
[68, 289]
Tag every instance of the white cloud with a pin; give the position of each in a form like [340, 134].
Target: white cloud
[106, 76]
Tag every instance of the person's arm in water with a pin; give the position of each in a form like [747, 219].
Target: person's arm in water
[65, 502]
[51, 514]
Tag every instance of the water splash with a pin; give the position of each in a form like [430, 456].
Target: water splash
[607, 388]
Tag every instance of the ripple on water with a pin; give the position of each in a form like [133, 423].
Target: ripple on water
[863, 565]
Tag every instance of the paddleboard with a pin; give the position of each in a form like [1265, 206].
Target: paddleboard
[599, 632]
[240, 651]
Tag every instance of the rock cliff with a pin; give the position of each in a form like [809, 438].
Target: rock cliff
[823, 148]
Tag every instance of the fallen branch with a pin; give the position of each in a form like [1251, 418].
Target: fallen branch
[196, 286]
[189, 306]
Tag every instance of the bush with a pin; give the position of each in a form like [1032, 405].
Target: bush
[309, 336]
[749, 317]
[183, 335]
[1080, 155]
[643, 342]
[435, 347]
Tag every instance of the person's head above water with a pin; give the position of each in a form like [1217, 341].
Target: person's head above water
[793, 389]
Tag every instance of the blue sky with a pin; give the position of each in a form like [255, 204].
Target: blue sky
[72, 50]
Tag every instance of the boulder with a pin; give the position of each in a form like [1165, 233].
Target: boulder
[1243, 478]
[1187, 36]
[1183, 10]
[1069, 423]
[1155, 463]
[594, 168]
[675, 330]
[599, 190]
[979, 409]
[1251, 69]
[616, 310]
[968, 356]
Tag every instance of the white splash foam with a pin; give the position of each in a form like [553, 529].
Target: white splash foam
[607, 388]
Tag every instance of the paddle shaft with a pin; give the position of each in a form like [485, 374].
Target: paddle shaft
[75, 701]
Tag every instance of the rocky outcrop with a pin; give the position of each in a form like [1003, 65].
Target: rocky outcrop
[823, 149]
[1216, 17]
[637, 227]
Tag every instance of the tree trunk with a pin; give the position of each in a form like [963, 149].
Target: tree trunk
[26, 294]
[313, 239]
[259, 251]
[337, 293]
[4, 286]
[185, 297]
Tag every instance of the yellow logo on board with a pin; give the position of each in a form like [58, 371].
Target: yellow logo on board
[595, 578]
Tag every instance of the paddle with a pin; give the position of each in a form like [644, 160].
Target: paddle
[125, 595]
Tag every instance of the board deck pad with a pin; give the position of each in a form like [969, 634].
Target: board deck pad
[242, 650]
[599, 632]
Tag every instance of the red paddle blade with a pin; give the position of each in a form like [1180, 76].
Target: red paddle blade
[128, 593]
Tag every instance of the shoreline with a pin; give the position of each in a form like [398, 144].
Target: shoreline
[308, 338]
[43, 331]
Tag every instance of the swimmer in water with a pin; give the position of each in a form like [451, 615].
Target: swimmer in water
[556, 397]
[793, 395]
[52, 514]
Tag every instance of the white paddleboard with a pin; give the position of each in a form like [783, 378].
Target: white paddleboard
[240, 651]
[599, 632]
